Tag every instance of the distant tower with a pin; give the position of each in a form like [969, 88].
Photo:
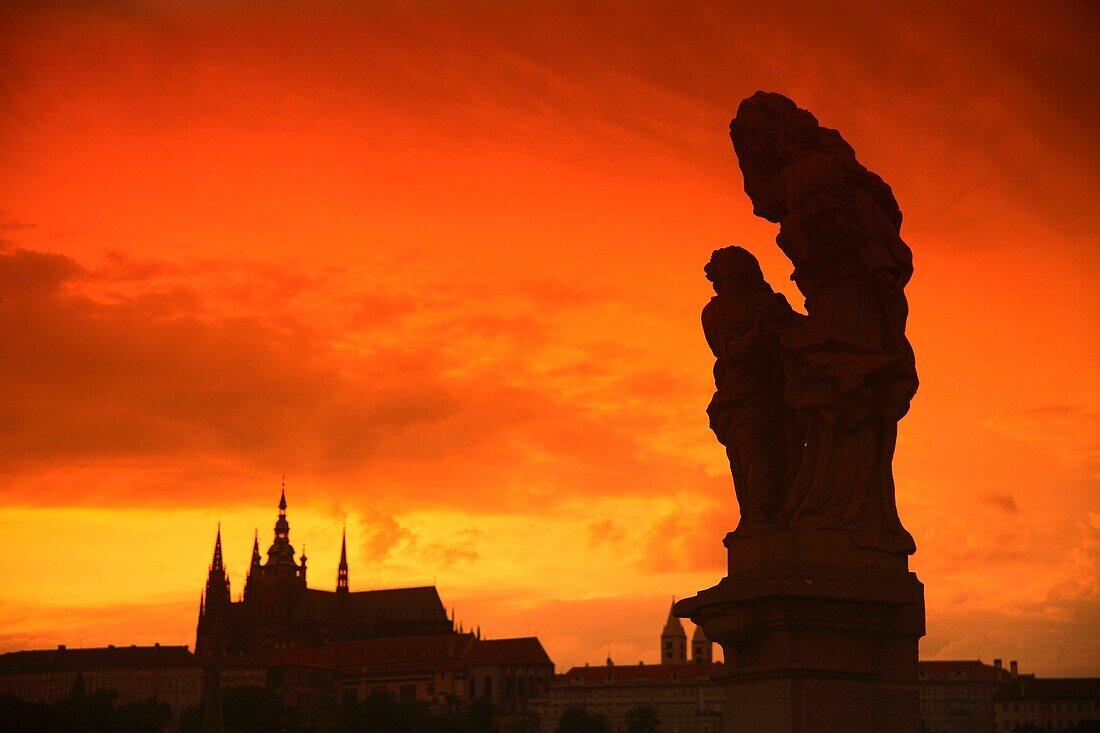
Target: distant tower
[213, 627]
[212, 638]
[280, 556]
[702, 650]
[673, 641]
[342, 570]
[255, 567]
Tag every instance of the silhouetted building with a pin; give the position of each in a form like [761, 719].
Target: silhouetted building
[170, 674]
[957, 696]
[278, 610]
[448, 671]
[306, 682]
[1047, 704]
[680, 692]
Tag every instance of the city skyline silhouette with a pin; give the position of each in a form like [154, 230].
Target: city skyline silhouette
[442, 268]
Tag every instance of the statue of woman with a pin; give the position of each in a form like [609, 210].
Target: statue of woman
[747, 413]
[849, 369]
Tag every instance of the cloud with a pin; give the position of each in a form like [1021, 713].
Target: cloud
[1069, 432]
[687, 540]
[385, 538]
[131, 366]
[605, 532]
[39, 626]
[1002, 501]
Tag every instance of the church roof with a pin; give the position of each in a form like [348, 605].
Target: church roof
[522, 650]
[390, 605]
[699, 635]
[437, 651]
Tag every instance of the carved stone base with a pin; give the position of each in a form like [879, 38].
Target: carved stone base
[820, 636]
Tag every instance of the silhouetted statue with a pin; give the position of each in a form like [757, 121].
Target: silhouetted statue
[747, 413]
[848, 370]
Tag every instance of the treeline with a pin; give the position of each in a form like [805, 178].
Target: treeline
[244, 710]
[254, 710]
[579, 720]
[83, 712]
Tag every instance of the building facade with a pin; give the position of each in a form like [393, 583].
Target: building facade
[448, 671]
[170, 674]
[957, 696]
[679, 691]
[1047, 704]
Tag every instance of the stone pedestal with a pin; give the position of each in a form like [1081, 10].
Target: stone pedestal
[819, 635]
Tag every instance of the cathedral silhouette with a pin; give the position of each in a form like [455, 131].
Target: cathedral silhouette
[278, 610]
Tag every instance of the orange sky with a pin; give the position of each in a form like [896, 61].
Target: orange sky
[442, 266]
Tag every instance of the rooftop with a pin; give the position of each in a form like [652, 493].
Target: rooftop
[639, 673]
[63, 659]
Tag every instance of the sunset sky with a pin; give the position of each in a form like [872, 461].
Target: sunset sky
[440, 264]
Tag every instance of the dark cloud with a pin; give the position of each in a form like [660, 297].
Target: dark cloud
[1002, 501]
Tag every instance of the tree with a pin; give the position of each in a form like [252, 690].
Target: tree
[247, 709]
[641, 720]
[579, 720]
[151, 716]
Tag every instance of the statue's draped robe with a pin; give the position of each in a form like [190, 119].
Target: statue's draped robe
[849, 370]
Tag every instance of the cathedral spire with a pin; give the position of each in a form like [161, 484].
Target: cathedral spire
[256, 548]
[342, 570]
[216, 563]
[214, 604]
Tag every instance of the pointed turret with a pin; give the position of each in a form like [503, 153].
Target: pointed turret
[673, 640]
[342, 569]
[216, 564]
[256, 561]
[702, 650]
[214, 605]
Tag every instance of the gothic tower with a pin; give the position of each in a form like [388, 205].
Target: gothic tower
[342, 570]
[213, 629]
[213, 637]
[702, 650]
[673, 641]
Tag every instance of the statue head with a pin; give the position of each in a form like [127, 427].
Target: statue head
[769, 132]
[734, 269]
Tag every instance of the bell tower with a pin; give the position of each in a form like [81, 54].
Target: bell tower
[673, 641]
[702, 650]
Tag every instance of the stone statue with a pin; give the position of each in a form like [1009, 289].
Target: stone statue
[761, 434]
[845, 370]
[818, 615]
